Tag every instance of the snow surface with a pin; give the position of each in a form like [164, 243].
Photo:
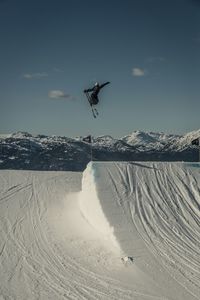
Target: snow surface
[120, 231]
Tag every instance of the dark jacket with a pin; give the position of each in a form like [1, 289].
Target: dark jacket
[96, 89]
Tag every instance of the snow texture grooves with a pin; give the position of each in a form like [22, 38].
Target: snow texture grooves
[147, 211]
[38, 260]
[154, 208]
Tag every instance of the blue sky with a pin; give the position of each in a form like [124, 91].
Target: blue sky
[51, 50]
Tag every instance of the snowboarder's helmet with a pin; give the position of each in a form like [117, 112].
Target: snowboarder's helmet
[96, 84]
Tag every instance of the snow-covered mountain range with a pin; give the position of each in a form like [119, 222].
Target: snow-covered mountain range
[22, 150]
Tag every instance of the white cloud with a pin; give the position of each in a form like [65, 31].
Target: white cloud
[35, 75]
[138, 72]
[57, 94]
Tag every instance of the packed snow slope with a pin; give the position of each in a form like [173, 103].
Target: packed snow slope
[153, 213]
[117, 231]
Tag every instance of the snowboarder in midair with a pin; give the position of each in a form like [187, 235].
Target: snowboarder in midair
[95, 91]
[93, 97]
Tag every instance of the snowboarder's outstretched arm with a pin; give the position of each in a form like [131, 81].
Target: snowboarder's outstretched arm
[102, 85]
[97, 87]
[88, 90]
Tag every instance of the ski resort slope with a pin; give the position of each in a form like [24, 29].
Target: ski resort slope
[117, 231]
